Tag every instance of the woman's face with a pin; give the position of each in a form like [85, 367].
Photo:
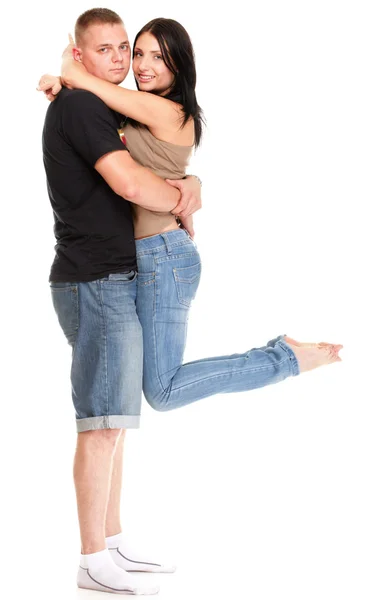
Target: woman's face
[148, 66]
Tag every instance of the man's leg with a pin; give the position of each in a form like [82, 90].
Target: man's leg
[121, 549]
[112, 523]
[93, 466]
[100, 323]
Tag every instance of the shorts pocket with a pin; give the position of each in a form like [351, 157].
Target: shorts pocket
[65, 298]
[126, 277]
[187, 281]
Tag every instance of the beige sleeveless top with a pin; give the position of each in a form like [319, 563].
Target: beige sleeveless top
[166, 160]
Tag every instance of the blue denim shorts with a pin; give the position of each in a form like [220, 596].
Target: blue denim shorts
[101, 325]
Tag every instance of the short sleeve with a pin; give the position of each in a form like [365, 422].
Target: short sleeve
[90, 126]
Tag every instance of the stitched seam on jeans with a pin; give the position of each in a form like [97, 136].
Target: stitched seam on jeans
[157, 248]
[149, 250]
[156, 285]
[254, 370]
[77, 308]
[77, 329]
[165, 258]
[105, 349]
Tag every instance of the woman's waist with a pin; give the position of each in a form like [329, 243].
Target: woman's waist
[168, 240]
[147, 223]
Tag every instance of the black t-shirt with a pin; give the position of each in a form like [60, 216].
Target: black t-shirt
[93, 225]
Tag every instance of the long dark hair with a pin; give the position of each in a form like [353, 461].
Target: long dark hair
[178, 55]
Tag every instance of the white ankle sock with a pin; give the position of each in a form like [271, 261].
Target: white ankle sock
[95, 560]
[127, 557]
[98, 571]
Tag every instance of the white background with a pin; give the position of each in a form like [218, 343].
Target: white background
[261, 495]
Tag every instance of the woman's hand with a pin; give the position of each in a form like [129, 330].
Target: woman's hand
[50, 85]
[187, 223]
[72, 74]
[72, 71]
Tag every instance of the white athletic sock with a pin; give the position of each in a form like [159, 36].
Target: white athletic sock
[98, 571]
[129, 558]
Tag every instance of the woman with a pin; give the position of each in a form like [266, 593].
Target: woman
[163, 125]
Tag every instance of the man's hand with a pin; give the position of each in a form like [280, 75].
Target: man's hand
[190, 200]
[50, 85]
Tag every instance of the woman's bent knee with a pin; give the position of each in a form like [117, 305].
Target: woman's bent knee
[158, 402]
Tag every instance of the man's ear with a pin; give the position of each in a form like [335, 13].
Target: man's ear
[78, 54]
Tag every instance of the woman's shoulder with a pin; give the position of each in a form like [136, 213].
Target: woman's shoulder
[177, 132]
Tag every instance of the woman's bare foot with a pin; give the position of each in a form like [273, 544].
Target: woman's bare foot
[289, 340]
[311, 356]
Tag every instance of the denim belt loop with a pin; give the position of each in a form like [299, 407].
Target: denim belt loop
[167, 243]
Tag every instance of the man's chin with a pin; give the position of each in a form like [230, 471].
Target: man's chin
[117, 77]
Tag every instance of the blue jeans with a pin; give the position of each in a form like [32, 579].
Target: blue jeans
[100, 323]
[169, 270]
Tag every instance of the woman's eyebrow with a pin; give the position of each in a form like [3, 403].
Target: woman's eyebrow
[152, 51]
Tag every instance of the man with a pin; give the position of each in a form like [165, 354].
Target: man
[91, 177]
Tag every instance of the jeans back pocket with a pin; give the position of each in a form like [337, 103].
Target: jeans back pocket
[187, 282]
[65, 298]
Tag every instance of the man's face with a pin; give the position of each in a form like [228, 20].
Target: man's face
[105, 52]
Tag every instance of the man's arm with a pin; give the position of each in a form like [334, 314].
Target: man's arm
[91, 129]
[136, 183]
[190, 201]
